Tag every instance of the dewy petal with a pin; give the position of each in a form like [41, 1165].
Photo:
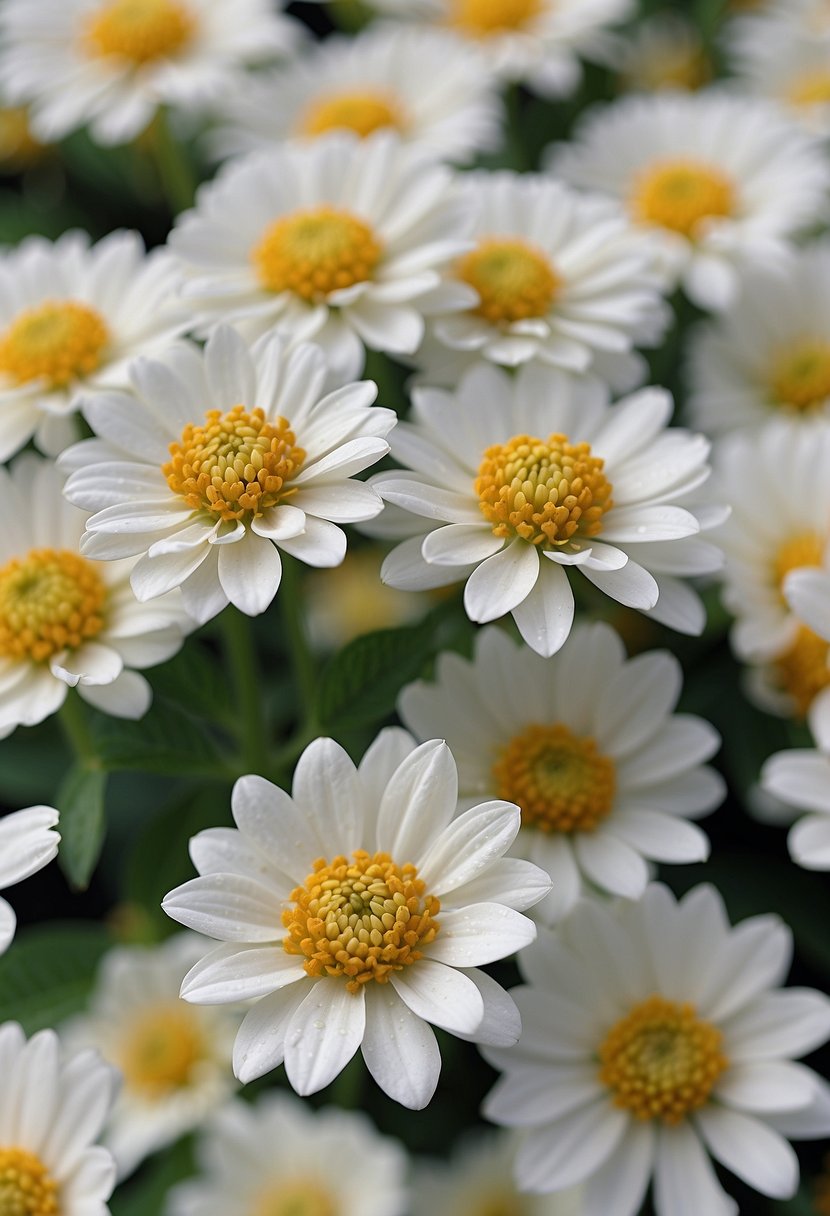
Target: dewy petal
[441, 995]
[280, 522]
[8, 923]
[272, 823]
[328, 793]
[501, 1025]
[684, 1180]
[323, 1035]
[470, 845]
[419, 801]
[27, 843]
[250, 573]
[321, 544]
[545, 616]
[399, 1048]
[480, 934]
[260, 1041]
[501, 582]
[234, 973]
[227, 907]
[751, 1149]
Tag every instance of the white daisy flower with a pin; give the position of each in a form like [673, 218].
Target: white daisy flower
[65, 621]
[664, 51]
[779, 54]
[724, 181]
[800, 777]
[516, 480]
[587, 746]
[28, 842]
[279, 1156]
[807, 591]
[368, 82]
[52, 1109]
[334, 240]
[110, 64]
[72, 317]
[654, 1036]
[219, 460]
[429, 899]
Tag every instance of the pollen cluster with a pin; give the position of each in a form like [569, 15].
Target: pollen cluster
[681, 195]
[51, 600]
[514, 281]
[314, 253]
[561, 782]
[800, 376]
[362, 111]
[360, 920]
[484, 18]
[139, 31]
[803, 671]
[59, 341]
[161, 1049]
[26, 1188]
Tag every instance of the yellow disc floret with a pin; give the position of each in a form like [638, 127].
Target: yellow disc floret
[661, 1061]
[681, 195]
[314, 253]
[139, 31]
[485, 18]
[548, 492]
[161, 1050]
[296, 1197]
[51, 600]
[800, 376]
[813, 89]
[59, 341]
[26, 1189]
[235, 465]
[360, 110]
[514, 281]
[803, 549]
[802, 671]
[360, 920]
[561, 781]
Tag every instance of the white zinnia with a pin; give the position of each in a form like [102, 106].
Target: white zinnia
[654, 1036]
[219, 460]
[414, 902]
[28, 842]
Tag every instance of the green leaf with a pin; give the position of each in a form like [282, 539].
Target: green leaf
[83, 823]
[166, 741]
[145, 1194]
[48, 973]
[194, 680]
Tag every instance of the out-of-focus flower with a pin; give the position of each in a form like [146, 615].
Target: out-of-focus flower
[664, 52]
[28, 842]
[800, 777]
[807, 591]
[351, 600]
[356, 912]
[221, 459]
[19, 149]
[779, 53]
[654, 1036]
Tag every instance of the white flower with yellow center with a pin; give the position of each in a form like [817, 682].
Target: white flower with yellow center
[779, 54]
[72, 317]
[654, 1036]
[370, 82]
[724, 182]
[281, 1158]
[800, 778]
[109, 64]
[335, 240]
[28, 842]
[356, 912]
[665, 51]
[52, 1109]
[219, 460]
[807, 591]
[66, 621]
[517, 480]
[586, 744]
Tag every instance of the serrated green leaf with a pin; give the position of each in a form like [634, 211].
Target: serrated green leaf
[49, 971]
[166, 741]
[83, 824]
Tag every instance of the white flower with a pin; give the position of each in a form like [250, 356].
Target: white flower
[430, 899]
[72, 316]
[334, 240]
[280, 1156]
[587, 745]
[800, 777]
[807, 591]
[66, 621]
[664, 51]
[724, 181]
[779, 53]
[110, 64]
[653, 1036]
[514, 481]
[27, 844]
[219, 460]
[52, 1108]
[367, 82]
[174, 1058]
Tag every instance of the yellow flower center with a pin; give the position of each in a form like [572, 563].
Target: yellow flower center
[812, 90]
[360, 920]
[236, 465]
[514, 280]
[803, 671]
[26, 1188]
[51, 600]
[681, 195]
[18, 145]
[295, 1197]
[59, 341]
[314, 253]
[805, 549]
[505, 1204]
[139, 31]
[661, 1061]
[485, 18]
[560, 781]
[548, 492]
[800, 377]
[362, 111]
[161, 1050]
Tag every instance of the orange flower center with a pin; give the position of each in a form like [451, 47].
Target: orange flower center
[59, 341]
[800, 377]
[51, 600]
[681, 195]
[26, 1189]
[139, 31]
[161, 1050]
[362, 111]
[486, 18]
[514, 280]
[561, 781]
[314, 253]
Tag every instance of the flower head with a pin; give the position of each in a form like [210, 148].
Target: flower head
[28, 842]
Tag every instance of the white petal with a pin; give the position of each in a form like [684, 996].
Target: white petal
[400, 1049]
[560, 1154]
[751, 1149]
[260, 1041]
[546, 615]
[441, 995]
[469, 846]
[250, 573]
[234, 973]
[418, 802]
[480, 934]
[227, 907]
[501, 582]
[323, 1035]
[762, 1086]
[8, 923]
[684, 1180]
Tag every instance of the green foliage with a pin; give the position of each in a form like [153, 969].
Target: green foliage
[80, 801]
[145, 1194]
[166, 740]
[47, 975]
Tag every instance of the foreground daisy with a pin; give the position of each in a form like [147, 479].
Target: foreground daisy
[52, 1109]
[65, 621]
[27, 844]
[653, 1036]
[800, 777]
[356, 912]
[723, 181]
[515, 480]
[219, 460]
[278, 1156]
[335, 240]
[586, 744]
[72, 317]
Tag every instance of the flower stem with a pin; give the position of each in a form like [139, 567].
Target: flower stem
[73, 724]
[174, 169]
[242, 661]
[296, 639]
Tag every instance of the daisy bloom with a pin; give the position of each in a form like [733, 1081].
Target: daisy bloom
[279, 1156]
[28, 842]
[65, 621]
[800, 777]
[356, 912]
[219, 460]
[514, 481]
[654, 1035]
[109, 64]
[665, 51]
[19, 149]
[587, 745]
[368, 82]
[72, 317]
[52, 1109]
[724, 181]
[807, 591]
[777, 53]
[334, 240]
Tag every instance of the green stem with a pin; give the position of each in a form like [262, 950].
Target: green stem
[73, 723]
[296, 640]
[174, 169]
[244, 667]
